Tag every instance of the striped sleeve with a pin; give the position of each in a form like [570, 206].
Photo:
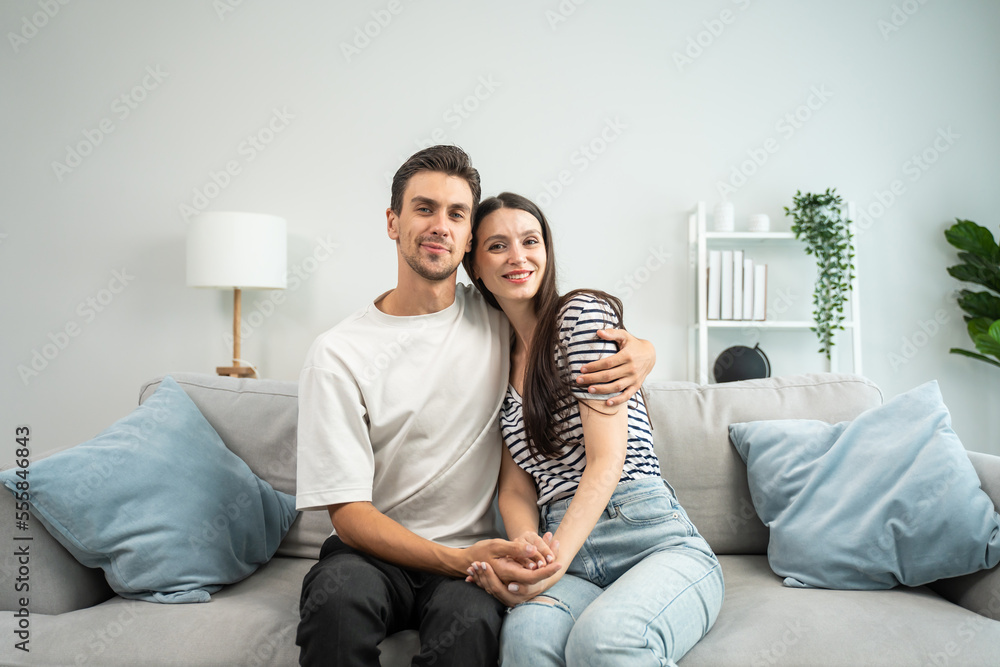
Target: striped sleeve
[583, 316]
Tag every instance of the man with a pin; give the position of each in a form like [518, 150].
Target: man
[399, 440]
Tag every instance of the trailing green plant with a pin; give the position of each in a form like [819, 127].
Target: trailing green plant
[820, 222]
[980, 264]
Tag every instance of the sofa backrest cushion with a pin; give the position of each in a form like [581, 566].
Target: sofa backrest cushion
[691, 435]
[257, 420]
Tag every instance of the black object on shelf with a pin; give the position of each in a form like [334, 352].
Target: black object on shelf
[741, 363]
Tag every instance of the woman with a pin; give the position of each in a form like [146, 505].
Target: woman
[638, 584]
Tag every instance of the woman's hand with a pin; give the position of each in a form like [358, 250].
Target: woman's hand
[546, 551]
[510, 559]
[511, 594]
[624, 371]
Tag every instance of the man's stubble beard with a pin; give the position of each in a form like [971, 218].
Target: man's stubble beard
[434, 272]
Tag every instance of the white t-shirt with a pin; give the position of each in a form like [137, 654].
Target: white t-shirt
[403, 412]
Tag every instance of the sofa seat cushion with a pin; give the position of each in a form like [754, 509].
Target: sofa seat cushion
[251, 624]
[764, 623]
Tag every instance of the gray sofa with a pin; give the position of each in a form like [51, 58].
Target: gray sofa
[75, 619]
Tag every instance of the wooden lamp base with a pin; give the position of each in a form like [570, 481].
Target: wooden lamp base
[236, 370]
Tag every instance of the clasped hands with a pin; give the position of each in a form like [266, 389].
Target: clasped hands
[516, 570]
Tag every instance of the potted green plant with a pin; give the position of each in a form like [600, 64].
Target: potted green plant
[980, 264]
[820, 222]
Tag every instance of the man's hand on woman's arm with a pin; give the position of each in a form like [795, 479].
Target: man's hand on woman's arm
[624, 371]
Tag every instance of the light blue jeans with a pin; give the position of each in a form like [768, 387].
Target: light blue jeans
[644, 588]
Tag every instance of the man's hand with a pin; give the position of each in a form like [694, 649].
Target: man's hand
[624, 371]
[508, 557]
[511, 594]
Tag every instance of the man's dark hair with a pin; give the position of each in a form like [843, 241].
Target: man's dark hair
[450, 160]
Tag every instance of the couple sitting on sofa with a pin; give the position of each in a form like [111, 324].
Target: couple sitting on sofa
[402, 408]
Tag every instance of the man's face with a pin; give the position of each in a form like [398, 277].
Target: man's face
[433, 230]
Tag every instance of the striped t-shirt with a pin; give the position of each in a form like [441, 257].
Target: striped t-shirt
[558, 478]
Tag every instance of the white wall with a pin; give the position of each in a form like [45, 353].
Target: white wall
[533, 91]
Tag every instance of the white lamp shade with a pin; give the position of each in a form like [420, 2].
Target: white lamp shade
[244, 250]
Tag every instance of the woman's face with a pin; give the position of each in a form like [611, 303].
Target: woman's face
[510, 254]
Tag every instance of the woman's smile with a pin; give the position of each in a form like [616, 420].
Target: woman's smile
[519, 277]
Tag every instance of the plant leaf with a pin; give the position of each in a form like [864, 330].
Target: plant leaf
[821, 223]
[967, 235]
[988, 345]
[994, 331]
[973, 274]
[978, 326]
[979, 304]
[956, 350]
[977, 261]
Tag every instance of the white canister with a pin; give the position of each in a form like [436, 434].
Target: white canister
[724, 220]
[759, 222]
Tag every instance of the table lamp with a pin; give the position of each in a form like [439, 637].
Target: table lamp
[236, 251]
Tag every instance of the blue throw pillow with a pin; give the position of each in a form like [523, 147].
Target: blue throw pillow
[890, 498]
[160, 503]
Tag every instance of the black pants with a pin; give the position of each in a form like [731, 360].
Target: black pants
[351, 601]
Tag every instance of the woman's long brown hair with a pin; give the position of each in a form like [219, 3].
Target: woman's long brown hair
[547, 396]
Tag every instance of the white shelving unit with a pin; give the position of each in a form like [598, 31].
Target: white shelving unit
[700, 240]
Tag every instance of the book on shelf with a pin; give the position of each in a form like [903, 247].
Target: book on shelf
[760, 292]
[738, 285]
[747, 288]
[714, 284]
[727, 285]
